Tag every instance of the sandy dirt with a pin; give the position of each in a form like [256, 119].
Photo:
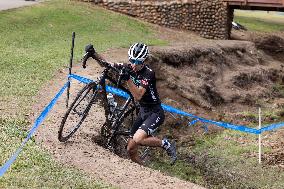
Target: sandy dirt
[81, 152]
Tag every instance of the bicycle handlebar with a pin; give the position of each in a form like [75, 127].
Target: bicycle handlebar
[90, 52]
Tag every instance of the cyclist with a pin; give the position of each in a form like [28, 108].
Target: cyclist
[151, 115]
[142, 85]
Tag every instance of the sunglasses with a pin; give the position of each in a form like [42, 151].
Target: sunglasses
[137, 62]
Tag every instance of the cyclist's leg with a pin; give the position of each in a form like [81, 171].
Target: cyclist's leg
[132, 146]
[132, 149]
[143, 136]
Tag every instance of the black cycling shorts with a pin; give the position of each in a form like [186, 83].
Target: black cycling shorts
[149, 119]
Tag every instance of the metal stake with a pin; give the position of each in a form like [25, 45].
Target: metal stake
[70, 68]
[259, 136]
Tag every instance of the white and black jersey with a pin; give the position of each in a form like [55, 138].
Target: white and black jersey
[146, 79]
[151, 114]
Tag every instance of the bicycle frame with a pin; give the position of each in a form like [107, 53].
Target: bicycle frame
[102, 84]
[114, 126]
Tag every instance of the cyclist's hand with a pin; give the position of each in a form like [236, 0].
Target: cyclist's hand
[125, 76]
[128, 72]
[90, 49]
[90, 52]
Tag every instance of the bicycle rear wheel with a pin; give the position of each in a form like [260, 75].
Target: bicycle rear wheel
[118, 132]
[115, 135]
[78, 111]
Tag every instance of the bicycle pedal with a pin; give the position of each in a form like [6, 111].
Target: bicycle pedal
[110, 148]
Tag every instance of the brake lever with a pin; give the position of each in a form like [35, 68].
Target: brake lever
[84, 59]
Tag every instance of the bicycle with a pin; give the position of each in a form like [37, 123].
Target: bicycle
[116, 129]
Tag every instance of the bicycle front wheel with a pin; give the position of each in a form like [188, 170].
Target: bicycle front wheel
[78, 111]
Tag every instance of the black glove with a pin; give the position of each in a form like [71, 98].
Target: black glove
[90, 50]
[125, 76]
[128, 68]
[129, 72]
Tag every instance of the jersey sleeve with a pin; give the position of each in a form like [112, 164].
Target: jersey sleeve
[147, 79]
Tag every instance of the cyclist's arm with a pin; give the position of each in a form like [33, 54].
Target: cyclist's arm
[137, 92]
[100, 57]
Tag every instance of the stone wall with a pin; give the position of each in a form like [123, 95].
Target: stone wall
[211, 19]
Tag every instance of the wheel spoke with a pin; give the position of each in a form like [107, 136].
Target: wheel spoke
[77, 112]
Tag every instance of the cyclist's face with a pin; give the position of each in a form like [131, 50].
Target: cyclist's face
[137, 67]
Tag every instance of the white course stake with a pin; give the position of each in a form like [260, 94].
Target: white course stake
[259, 136]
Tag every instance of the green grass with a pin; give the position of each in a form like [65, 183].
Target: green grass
[270, 16]
[260, 21]
[268, 116]
[35, 168]
[35, 43]
[224, 159]
[179, 170]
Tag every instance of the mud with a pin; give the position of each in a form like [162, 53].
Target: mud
[272, 45]
[213, 77]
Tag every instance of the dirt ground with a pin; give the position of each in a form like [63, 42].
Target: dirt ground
[81, 152]
[203, 77]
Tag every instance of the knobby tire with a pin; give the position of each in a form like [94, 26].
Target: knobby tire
[81, 96]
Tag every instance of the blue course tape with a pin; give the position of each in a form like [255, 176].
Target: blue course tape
[272, 126]
[193, 122]
[180, 112]
[176, 111]
[196, 118]
[80, 78]
[121, 93]
[38, 121]
[221, 124]
[117, 91]
[108, 88]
